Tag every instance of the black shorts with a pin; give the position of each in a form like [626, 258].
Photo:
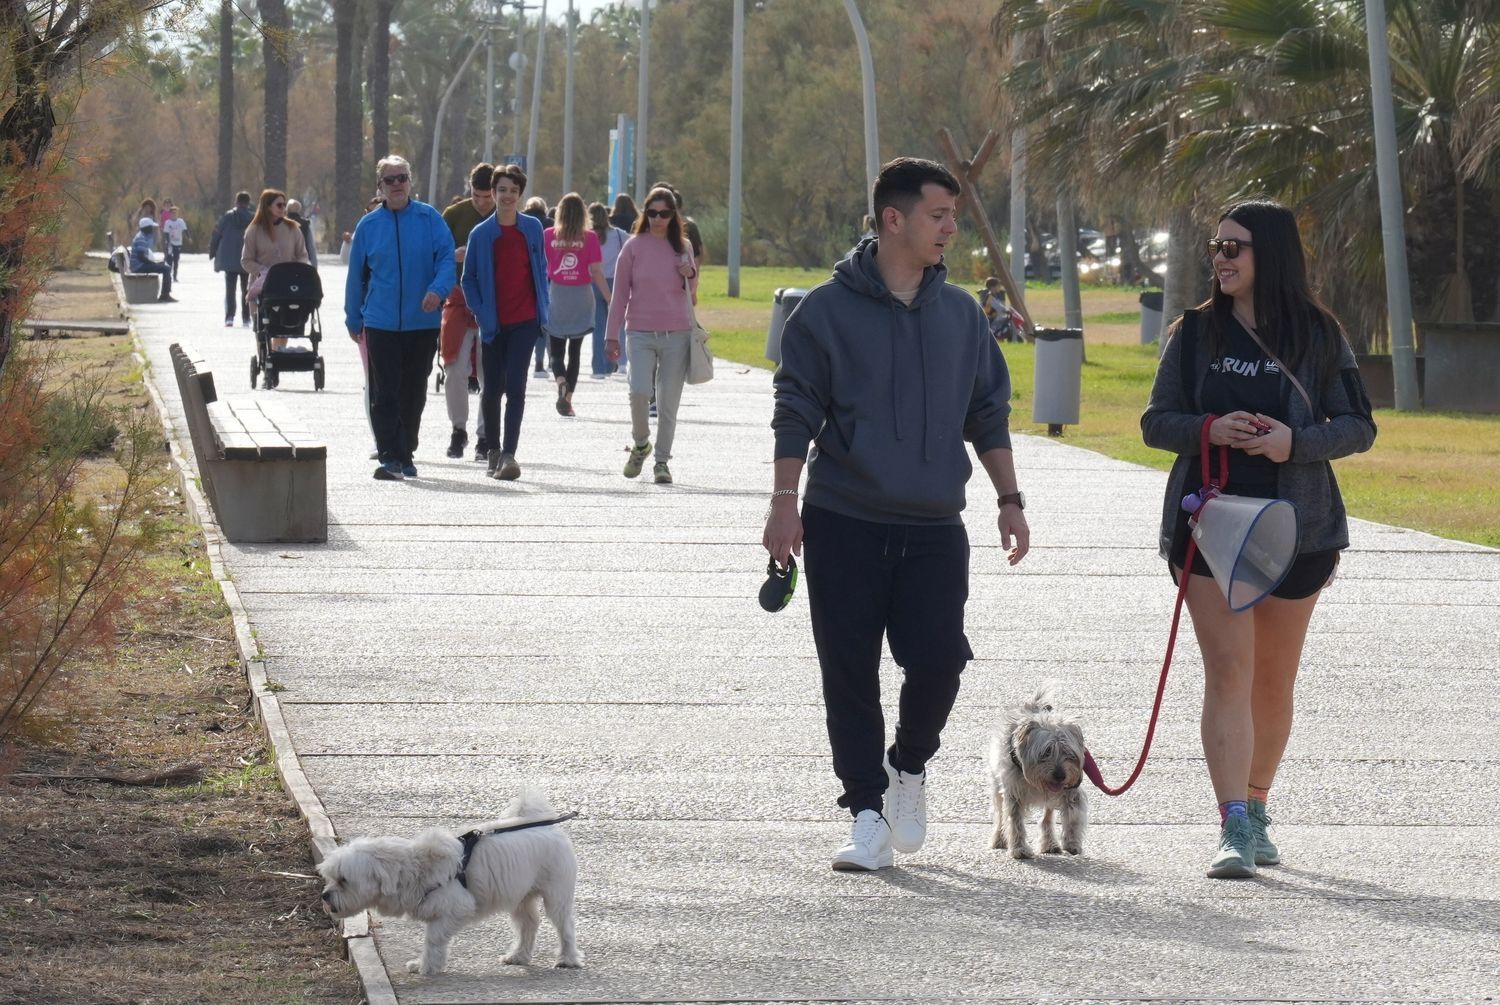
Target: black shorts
[1308, 574]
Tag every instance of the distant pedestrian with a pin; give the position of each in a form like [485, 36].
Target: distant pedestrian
[651, 308]
[460, 333]
[400, 272]
[270, 240]
[1271, 365]
[141, 251]
[575, 272]
[294, 213]
[224, 246]
[505, 285]
[624, 213]
[175, 229]
[689, 225]
[536, 208]
[611, 240]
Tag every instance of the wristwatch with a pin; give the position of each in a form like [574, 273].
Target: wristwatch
[1016, 499]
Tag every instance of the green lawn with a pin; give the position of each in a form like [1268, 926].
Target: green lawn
[1430, 471]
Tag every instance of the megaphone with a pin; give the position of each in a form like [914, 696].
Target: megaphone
[1249, 543]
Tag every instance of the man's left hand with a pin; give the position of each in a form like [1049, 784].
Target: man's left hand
[431, 301]
[1012, 522]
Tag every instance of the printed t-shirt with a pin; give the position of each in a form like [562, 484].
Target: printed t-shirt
[568, 264]
[515, 294]
[1243, 379]
[174, 229]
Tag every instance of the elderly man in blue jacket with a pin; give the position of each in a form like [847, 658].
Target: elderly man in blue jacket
[140, 258]
[400, 272]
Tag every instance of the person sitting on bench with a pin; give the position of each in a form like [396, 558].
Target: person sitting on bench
[140, 259]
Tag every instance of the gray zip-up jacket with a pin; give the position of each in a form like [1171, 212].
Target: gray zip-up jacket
[1342, 425]
[890, 393]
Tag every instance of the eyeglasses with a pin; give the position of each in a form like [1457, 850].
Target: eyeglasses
[1229, 246]
[395, 179]
[660, 214]
[278, 205]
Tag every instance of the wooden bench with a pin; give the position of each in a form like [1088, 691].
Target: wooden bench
[138, 287]
[265, 475]
[44, 328]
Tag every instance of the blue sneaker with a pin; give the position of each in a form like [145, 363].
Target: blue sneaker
[1235, 857]
[409, 470]
[1266, 852]
[390, 471]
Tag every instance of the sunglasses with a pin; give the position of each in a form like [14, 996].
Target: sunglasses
[278, 205]
[395, 179]
[660, 214]
[1229, 246]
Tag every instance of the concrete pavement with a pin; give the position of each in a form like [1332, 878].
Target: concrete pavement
[598, 637]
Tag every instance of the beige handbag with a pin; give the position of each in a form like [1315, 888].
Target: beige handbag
[700, 356]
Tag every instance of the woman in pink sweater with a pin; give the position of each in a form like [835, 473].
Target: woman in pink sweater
[270, 240]
[656, 283]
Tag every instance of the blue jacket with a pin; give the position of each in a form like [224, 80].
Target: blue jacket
[395, 259]
[479, 271]
[140, 250]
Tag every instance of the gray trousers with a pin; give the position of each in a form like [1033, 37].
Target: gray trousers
[659, 365]
[456, 384]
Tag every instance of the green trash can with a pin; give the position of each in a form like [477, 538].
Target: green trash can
[1059, 378]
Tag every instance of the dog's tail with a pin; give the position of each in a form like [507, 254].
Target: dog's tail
[530, 804]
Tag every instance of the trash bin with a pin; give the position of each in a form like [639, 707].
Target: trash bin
[787, 299]
[1059, 378]
[1151, 305]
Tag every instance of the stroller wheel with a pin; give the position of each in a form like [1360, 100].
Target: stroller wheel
[254, 371]
[318, 375]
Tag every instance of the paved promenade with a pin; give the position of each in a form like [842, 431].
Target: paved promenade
[457, 638]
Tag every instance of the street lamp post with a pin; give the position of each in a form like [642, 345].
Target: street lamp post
[1392, 223]
[567, 169]
[642, 105]
[872, 124]
[536, 93]
[736, 145]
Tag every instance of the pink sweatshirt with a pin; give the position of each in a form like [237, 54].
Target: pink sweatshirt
[648, 294]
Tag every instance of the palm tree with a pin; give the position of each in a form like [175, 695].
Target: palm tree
[276, 40]
[225, 185]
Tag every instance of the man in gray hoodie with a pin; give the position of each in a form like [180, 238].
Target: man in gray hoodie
[887, 370]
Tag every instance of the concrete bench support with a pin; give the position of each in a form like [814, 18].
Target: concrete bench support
[266, 478]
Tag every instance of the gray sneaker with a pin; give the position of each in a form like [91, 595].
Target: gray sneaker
[509, 470]
[1235, 858]
[1266, 852]
[637, 458]
[661, 474]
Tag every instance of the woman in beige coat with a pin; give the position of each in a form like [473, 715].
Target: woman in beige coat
[270, 240]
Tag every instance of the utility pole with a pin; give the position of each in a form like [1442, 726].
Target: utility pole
[489, 84]
[736, 145]
[518, 64]
[1392, 209]
[536, 93]
[641, 105]
[872, 124]
[567, 169]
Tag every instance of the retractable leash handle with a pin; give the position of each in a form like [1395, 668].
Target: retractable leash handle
[1211, 487]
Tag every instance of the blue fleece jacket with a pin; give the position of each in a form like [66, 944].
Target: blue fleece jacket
[890, 393]
[395, 259]
[479, 271]
[140, 250]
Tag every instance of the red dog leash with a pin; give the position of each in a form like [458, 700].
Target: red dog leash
[1211, 488]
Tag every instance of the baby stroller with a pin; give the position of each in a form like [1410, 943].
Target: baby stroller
[288, 308]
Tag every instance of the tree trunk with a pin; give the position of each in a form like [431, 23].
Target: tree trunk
[348, 202]
[276, 40]
[1179, 291]
[380, 77]
[224, 189]
[1067, 253]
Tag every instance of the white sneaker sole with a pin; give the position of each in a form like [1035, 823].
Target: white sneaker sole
[907, 844]
[859, 863]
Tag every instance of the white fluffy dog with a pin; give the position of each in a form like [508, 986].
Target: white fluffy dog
[1037, 760]
[510, 867]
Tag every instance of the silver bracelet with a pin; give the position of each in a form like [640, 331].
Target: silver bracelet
[783, 492]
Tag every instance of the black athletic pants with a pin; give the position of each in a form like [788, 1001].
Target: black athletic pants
[231, 279]
[907, 583]
[400, 363]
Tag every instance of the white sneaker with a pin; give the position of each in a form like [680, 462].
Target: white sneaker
[869, 846]
[906, 806]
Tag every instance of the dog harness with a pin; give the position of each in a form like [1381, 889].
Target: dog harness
[471, 838]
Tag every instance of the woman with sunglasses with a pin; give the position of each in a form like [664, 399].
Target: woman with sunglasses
[1271, 362]
[270, 240]
[656, 285]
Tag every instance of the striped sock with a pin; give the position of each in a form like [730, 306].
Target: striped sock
[1260, 794]
[1233, 808]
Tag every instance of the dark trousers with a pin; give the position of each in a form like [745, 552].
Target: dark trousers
[566, 353]
[400, 363]
[907, 583]
[505, 359]
[174, 257]
[161, 269]
[230, 279]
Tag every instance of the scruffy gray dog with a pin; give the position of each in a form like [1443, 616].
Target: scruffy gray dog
[1036, 759]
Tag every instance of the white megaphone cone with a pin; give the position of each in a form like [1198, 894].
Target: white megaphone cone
[1249, 543]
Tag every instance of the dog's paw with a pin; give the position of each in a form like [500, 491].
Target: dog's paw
[1022, 852]
[1074, 849]
[416, 967]
[997, 840]
[570, 962]
[517, 959]
[1052, 849]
